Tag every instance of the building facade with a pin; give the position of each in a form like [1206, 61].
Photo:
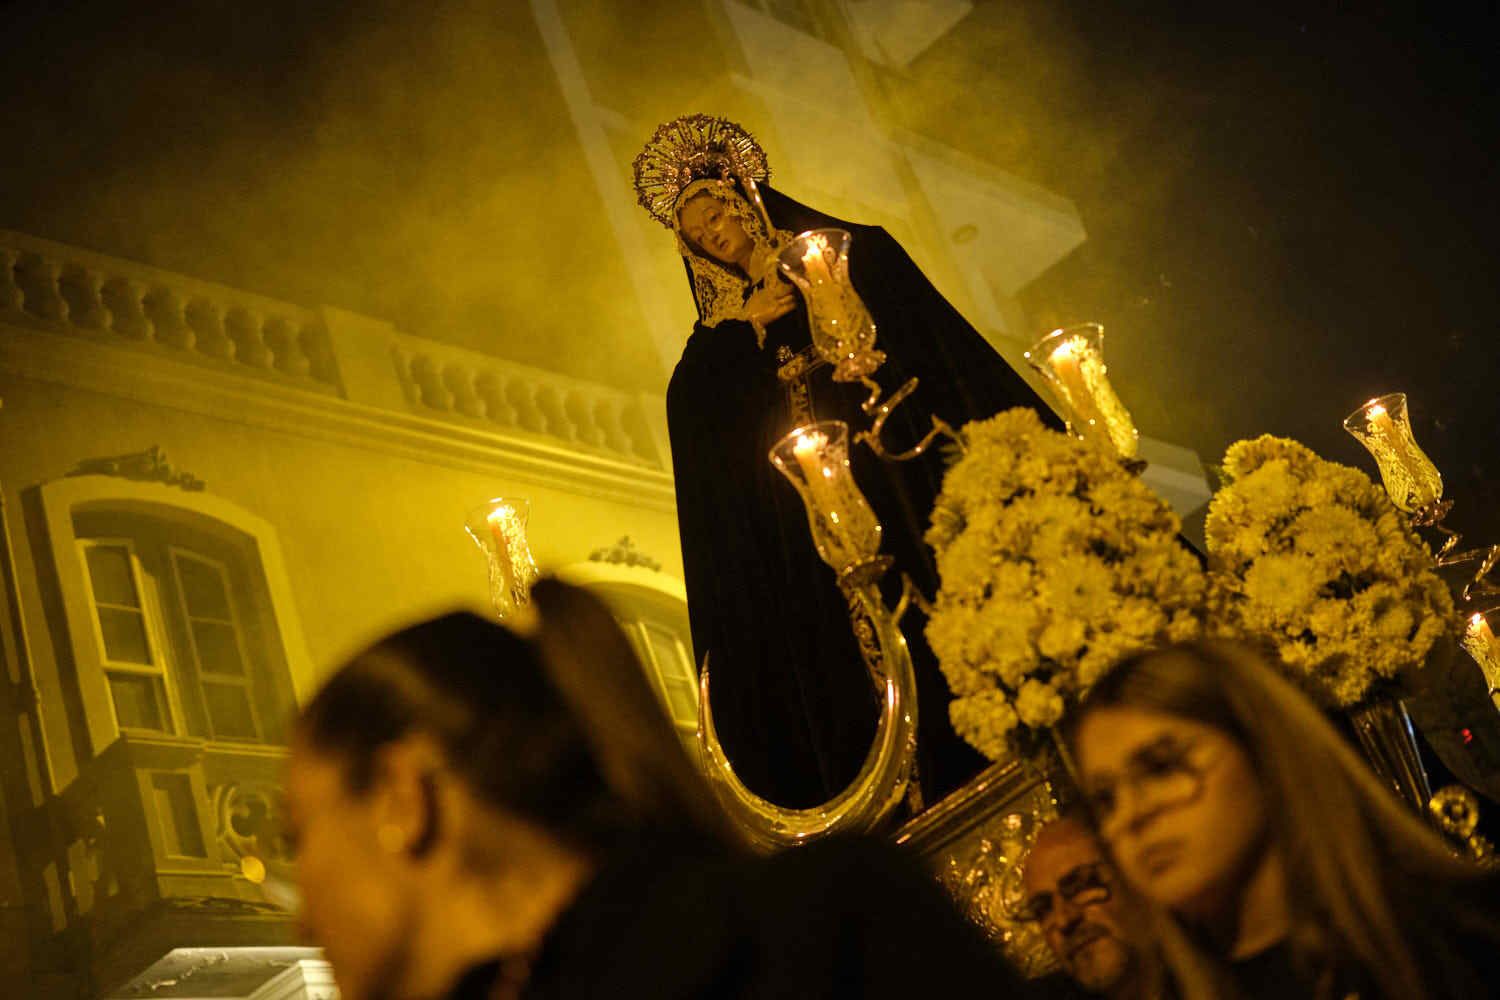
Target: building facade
[210, 499]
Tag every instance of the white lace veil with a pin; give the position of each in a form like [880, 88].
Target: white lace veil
[720, 289]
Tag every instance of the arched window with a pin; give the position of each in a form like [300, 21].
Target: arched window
[177, 609]
[663, 651]
[651, 608]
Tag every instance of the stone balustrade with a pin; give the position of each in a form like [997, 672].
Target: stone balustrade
[60, 289]
[69, 290]
[478, 387]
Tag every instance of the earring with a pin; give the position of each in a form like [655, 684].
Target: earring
[391, 838]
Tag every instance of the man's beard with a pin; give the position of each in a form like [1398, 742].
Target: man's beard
[1090, 958]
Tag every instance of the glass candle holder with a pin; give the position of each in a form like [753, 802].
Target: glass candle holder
[1480, 642]
[1072, 361]
[498, 527]
[816, 460]
[843, 333]
[1383, 427]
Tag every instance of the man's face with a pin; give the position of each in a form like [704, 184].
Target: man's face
[1073, 893]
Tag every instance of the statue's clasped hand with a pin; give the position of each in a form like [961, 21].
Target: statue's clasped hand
[770, 302]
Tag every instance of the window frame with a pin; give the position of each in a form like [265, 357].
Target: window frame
[291, 675]
[635, 594]
[646, 651]
[246, 681]
[157, 643]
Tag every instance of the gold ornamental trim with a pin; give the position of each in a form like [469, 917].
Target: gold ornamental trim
[691, 148]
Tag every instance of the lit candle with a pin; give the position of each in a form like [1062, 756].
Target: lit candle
[814, 261]
[843, 524]
[822, 499]
[1411, 480]
[1479, 642]
[815, 459]
[502, 525]
[1479, 635]
[1380, 422]
[1384, 430]
[1067, 365]
[811, 452]
[807, 451]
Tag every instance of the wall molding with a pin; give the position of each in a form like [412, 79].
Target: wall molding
[125, 373]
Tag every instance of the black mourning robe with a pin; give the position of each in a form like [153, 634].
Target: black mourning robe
[793, 703]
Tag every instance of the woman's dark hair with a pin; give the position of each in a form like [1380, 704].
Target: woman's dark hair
[1357, 861]
[560, 729]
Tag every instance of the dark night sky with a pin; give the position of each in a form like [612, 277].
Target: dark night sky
[1295, 210]
[1290, 208]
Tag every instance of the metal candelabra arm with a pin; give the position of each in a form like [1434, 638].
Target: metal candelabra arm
[881, 411]
[1479, 584]
[911, 594]
[880, 784]
[1485, 557]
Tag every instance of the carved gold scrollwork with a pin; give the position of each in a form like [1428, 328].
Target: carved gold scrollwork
[793, 370]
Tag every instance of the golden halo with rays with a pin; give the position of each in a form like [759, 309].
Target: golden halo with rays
[690, 148]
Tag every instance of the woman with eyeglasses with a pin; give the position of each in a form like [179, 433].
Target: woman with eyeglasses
[1272, 861]
[479, 814]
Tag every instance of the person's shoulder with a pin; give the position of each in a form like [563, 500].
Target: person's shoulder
[861, 915]
[860, 877]
[1056, 986]
[1460, 939]
[834, 856]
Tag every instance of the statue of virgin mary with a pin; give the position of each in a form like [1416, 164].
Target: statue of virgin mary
[792, 699]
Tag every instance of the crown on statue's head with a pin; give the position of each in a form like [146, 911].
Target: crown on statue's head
[693, 148]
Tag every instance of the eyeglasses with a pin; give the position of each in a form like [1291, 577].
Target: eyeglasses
[1085, 885]
[1165, 774]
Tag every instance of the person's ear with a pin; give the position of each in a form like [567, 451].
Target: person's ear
[407, 814]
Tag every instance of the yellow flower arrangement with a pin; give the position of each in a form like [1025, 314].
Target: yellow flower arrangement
[1312, 557]
[1056, 563]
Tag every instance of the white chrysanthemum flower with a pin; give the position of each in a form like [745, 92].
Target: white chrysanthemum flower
[1074, 586]
[985, 720]
[1038, 704]
[1283, 585]
[1055, 563]
[1313, 556]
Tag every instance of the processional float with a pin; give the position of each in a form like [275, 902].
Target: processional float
[814, 457]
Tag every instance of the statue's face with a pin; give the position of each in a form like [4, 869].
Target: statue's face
[707, 223]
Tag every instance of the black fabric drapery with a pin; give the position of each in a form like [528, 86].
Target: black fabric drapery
[793, 702]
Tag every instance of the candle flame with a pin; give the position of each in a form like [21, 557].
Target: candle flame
[1065, 350]
[1477, 622]
[499, 514]
[1374, 410]
[809, 441]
